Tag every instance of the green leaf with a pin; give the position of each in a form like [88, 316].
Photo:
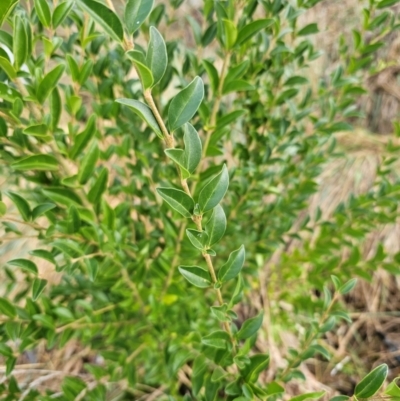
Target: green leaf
[61, 12]
[250, 327]
[217, 339]
[73, 220]
[6, 7]
[37, 288]
[230, 33]
[21, 204]
[82, 139]
[42, 209]
[136, 11]
[249, 30]
[49, 82]
[62, 195]
[43, 254]
[216, 225]
[73, 67]
[36, 162]
[233, 266]
[8, 68]
[213, 192]
[196, 275]
[6, 308]
[220, 312]
[178, 156]
[24, 264]
[193, 148]
[144, 112]
[55, 109]
[372, 382]
[105, 17]
[178, 200]
[257, 364]
[308, 396]
[185, 104]
[145, 75]
[197, 238]
[156, 58]
[393, 389]
[20, 42]
[308, 29]
[212, 75]
[387, 3]
[229, 118]
[3, 208]
[39, 130]
[99, 187]
[237, 85]
[88, 164]
[43, 12]
[347, 287]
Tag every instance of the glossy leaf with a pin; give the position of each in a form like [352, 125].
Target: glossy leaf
[20, 42]
[55, 108]
[193, 148]
[233, 266]
[7, 68]
[216, 225]
[214, 191]
[212, 75]
[196, 275]
[61, 12]
[38, 287]
[257, 364]
[185, 104]
[156, 58]
[372, 382]
[308, 29]
[145, 74]
[43, 12]
[144, 112]
[36, 162]
[83, 139]
[249, 30]
[49, 82]
[6, 7]
[250, 327]
[136, 11]
[217, 339]
[39, 130]
[63, 196]
[42, 209]
[178, 200]
[105, 17]
[308, 396]
[24, 264]
[88, 164]
[197, 238]
[230, 33]
[21, 204]
[99, 187]
[7, 308]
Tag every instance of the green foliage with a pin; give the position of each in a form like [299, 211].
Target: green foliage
[144, 172]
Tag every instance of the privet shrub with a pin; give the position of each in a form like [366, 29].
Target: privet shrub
[159, 180]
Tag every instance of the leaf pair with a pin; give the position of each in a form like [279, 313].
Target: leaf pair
[151, 68]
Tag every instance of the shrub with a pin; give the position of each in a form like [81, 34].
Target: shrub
[159, 184]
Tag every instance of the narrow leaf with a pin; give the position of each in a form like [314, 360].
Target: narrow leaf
[308, 396]
[214, 190]
[145, 75]
[216, 225]
[196, 276]
[37, 288]
[6, 308]
[197, 238]
[20, 42]
[21, 204]
[249, 30]
[88, 164]
[144, 112]
[36, 130]
[193, 148]
[212, 75]
[250, 327]
[24, 264]
[372, 382]
[105, 17]
[230, 33]
[61, 12]
[233, 266]
[49, 82]
[36, 162]
[8, 68]
[43, 12]
[42, 209]
[82, 139]
[178, 200]
[217, 339]
[156, 58]
[99, 187]
[185, 104]
[6, 7]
